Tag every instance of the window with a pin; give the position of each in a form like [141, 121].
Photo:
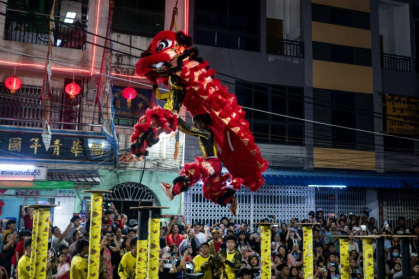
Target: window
[346, 109]
[136, 17]
[339, 16]
[277, 99]
[341, 54]
[228, 23]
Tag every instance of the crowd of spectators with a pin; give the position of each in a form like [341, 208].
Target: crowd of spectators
[222, 250]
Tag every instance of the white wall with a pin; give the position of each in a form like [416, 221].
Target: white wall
[289, 12]
[373, 204]
[395, 28]
[63, 214]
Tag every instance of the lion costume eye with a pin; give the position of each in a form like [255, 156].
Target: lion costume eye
[163, 44]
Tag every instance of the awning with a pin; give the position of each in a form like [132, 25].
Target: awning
[5, 184]
[365, 179]
[74, 176]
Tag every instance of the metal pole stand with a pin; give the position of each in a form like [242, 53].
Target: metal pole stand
[142, 242]
[308, 249]
[153, 239]
[265, 248]
[40, 235]
[95, 232]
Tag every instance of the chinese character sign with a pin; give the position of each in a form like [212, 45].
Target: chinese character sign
[62, 147]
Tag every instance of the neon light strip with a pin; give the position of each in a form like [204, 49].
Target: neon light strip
[187, 16]
[15, 178]
[328, 186]
[132, 77]
[43, 66]
[95, 40]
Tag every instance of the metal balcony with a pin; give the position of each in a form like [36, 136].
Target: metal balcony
[285, 47]
[396, 62]
[31, 28]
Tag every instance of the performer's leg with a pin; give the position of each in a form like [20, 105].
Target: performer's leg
[189, 175]
[227, 197]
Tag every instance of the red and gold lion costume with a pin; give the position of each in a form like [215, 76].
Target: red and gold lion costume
[170, 60]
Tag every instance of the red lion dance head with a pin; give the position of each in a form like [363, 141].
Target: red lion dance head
[162, 54]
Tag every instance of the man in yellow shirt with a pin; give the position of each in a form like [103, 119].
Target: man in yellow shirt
[24, 264]
[233, 261]
[126, 269]
[78, 269]
[201, 263]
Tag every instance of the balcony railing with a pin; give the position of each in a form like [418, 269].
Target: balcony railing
[396, 62]
[285, 47]
[34, 29]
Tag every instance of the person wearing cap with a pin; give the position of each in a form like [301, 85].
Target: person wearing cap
[201, 263]
[215, 243]
[24, 263]
[10, 228]
[20, 249]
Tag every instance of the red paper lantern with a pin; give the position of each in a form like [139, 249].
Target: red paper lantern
[13, 83]
[72, 89]
[129, 93]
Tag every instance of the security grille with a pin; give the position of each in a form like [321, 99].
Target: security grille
[340, 201]
[400, 202]
[126, 195]
[24, 109]
[283, 201]
[130, 192]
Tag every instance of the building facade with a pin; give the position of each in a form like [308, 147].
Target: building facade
[329, 89]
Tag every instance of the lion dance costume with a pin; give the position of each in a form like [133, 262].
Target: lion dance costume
[171, 61]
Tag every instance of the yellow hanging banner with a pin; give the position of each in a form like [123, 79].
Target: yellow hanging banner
[266, 251]
[368, 258]
[42, 245]
[153, 248]
[308, 251]
[95, 235]
[34, 242]
[141, 266]
[344, 258]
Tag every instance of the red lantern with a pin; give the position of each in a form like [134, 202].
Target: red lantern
[13, 83]
[72, 89]
[129, 93]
